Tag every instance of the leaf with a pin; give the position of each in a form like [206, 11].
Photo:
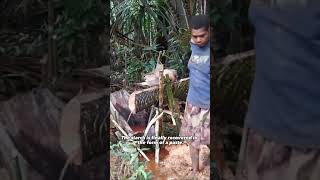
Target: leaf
[141, 169]
[134, 157]
[144, 174]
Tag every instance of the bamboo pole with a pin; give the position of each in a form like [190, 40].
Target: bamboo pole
[158, 124]
[157, 153]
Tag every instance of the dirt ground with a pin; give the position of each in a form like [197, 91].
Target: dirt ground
[176, 164]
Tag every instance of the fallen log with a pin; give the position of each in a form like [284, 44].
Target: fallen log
[12, 161]
[139, 100]
[145, 98]
[83, 120]
[50, 163]
[36, 114]
[44, 160]
[120, 112]
[29, 134]
[31, 122]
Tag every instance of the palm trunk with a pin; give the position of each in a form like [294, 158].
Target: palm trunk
[143, 99]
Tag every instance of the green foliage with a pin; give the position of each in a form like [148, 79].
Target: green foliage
[150, 65]
[137, 65]
[179, 51]
[72, 28]
[24, 43]
[129, 154]
[224, 14]
[143, 22]
[135, 69]
[143, 17]
[76, 18]
[231, 26]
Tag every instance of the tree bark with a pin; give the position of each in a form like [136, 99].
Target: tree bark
[145, 98]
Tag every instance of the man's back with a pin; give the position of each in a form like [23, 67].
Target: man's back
[283, 119]
[285, 100]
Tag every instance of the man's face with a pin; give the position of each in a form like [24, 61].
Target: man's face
[200, 36]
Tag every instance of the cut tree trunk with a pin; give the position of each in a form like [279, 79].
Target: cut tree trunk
[37, 114]
[83, 120]
[31, 121]
[50, 163]
[11, 161]
[120, 112]
[145, 98]
[29, 129]
[44, 160]
[140, 100]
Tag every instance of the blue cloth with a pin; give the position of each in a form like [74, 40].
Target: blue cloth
[285, 99]
[199, 73]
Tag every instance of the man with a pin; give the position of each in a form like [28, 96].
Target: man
[282, 138]
[196, 122]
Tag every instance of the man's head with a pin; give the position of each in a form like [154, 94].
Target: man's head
[200, 30]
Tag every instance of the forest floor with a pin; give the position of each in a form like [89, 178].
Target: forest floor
[175, 163]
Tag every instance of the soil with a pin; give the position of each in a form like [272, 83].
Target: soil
[175, 163]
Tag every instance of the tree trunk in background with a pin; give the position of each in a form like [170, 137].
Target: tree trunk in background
[52, 64]
[180, 12]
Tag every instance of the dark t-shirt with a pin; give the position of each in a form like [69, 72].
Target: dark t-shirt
[285, 99]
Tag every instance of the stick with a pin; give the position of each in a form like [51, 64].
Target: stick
[168, 112]
[157, 142]
[151, 112]
[129, 116]
[156, 117]
[159, 122]
[173, 121]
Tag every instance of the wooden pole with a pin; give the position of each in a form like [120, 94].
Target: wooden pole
[158, 124]
[125, 83]
[157, 153]
[52, 64]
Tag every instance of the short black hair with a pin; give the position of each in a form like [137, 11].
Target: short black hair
[199, 21]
